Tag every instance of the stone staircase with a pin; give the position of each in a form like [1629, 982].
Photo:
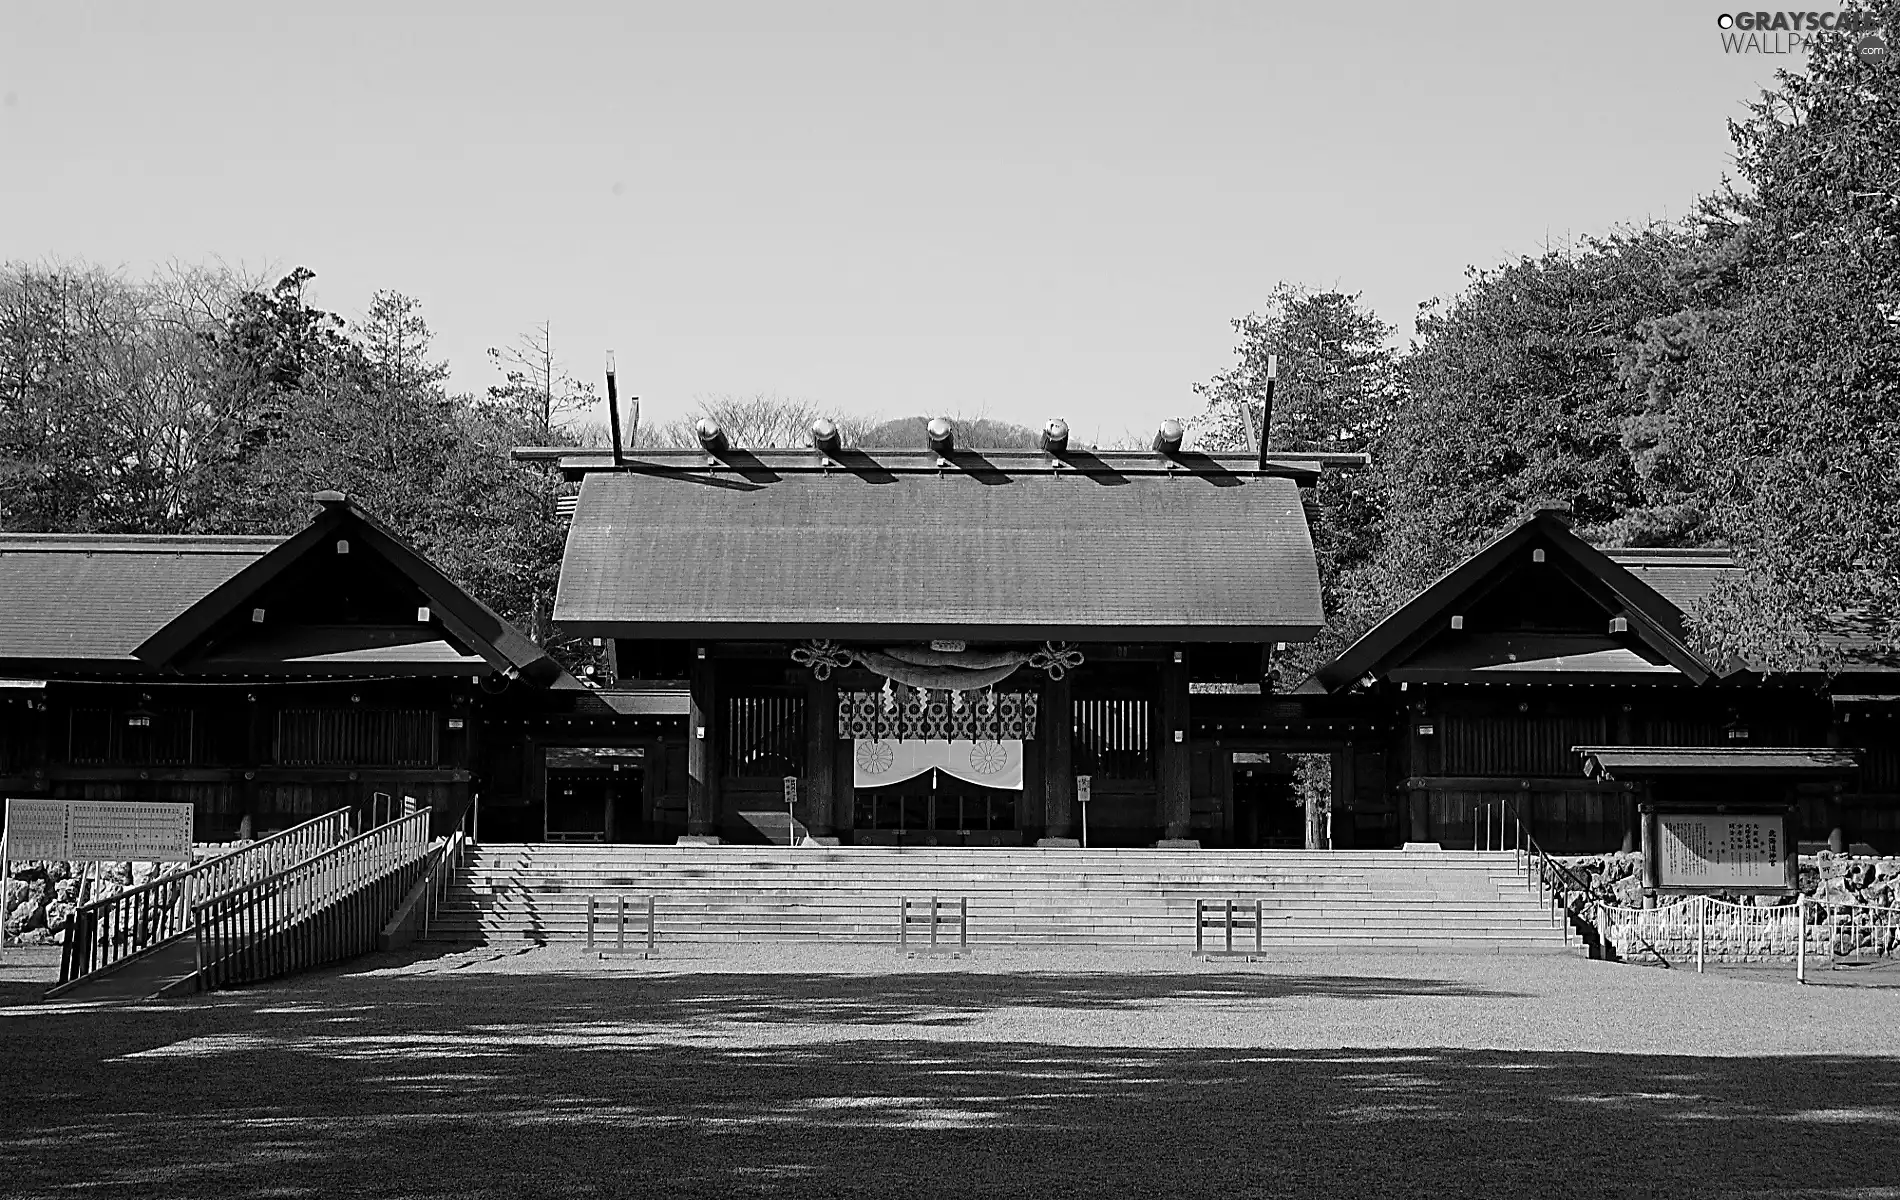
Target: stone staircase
[1317, 901]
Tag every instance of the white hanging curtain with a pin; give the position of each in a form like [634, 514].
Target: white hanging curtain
[991, 764]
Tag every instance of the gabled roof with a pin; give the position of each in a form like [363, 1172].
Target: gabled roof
[861, 551]
[94, 598]
[217, 634]
[1417, 641]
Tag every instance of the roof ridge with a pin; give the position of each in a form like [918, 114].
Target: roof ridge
[1681, 554]
[248, 544]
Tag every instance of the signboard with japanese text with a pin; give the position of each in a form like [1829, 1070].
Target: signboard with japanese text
[1742, 851]
[97, 831]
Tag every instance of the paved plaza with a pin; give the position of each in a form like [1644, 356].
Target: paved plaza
[795, 1071]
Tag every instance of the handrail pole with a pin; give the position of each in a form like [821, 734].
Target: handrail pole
[1801, 938]
[933, 922]
[650, 925]
[590, 923]
[1259, 938]
[1230, 924]
[1200, 923]
[620, 934]
[963, 922]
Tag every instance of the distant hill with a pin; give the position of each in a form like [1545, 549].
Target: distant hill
[907, 433]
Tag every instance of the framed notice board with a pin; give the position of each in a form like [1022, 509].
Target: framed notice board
[1714, 851]
[97, 831]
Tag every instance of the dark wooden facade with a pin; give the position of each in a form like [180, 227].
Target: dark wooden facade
[1113, 719]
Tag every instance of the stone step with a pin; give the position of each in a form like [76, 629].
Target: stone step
[1313, 943]
[1363, 899]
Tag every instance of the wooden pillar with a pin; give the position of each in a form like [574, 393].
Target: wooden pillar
[1419, 818]
[843, 790]
[1057, 735]
[1421, 815]
[1632, 821]
[1176, 803]
[702, 760]
[821, 753]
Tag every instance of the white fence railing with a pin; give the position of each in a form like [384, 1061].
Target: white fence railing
[1702, 929]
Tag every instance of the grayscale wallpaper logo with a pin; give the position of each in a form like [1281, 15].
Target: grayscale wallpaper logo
[1794, 32]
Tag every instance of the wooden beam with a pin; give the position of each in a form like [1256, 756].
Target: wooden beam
[1507, 783]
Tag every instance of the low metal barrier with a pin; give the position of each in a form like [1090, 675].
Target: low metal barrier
[936, 917]
[323, 910]
[111, 931]
[652, 929]
[1851, 935]
[1225, 916]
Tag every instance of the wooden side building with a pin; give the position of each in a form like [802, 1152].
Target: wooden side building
[1559, 678]
[262, 679]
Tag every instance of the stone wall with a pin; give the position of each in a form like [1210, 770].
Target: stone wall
[41, 896]
[1829, 878]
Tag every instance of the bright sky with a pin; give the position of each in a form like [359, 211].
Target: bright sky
[1019, 210]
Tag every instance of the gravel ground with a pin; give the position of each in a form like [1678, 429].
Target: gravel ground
[794, 1071]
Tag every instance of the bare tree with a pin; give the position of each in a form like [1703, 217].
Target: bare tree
[539, 388]
[112, 399]
[759, 421]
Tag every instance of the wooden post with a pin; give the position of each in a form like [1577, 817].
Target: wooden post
[821, 740]
[702, 761]
[1176, 804]
[1833, 815]
[1058, 757]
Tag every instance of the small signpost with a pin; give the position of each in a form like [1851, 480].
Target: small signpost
[791, 810]
[1082, 783]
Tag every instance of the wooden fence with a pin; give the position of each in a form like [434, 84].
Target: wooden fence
[108, 932]
[324, 910]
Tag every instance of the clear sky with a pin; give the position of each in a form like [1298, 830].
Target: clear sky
[1014, 210]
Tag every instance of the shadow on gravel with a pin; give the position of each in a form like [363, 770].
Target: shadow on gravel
[546, 1085]
[934, 997]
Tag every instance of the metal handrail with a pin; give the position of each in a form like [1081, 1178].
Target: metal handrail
[441, 877]
[1538, 865]
[112, 930]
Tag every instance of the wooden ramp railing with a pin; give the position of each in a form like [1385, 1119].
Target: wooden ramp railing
[112, 931]
[324, 910]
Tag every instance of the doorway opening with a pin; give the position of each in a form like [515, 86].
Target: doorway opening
[936, 809]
